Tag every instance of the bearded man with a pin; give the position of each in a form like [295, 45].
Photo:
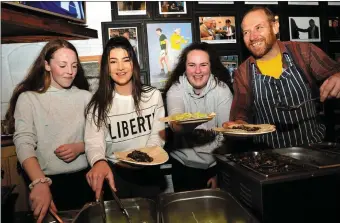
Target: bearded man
[281, 73]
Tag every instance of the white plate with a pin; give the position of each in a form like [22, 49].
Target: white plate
[158, 154]
[265, 128]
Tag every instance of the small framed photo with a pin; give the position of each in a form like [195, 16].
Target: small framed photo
[131, 31]
[123, 10]
[304, 29]
[231, 63]
[91, 66]
[303, 3]
[219, 29]
[172, 10]
[166, 40]
[334, 29]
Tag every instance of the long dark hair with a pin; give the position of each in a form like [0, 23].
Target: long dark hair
[101, 101]
[221, 74]
[39, 80]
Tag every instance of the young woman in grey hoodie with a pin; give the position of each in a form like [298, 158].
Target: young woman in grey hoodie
[199, 83]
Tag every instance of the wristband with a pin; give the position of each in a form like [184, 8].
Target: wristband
[40, 180]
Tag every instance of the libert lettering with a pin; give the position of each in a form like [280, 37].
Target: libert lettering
[132, 127]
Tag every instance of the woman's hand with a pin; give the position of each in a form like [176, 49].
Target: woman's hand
[41, 199]
[69, 152]
[95, 177]
[212, 182]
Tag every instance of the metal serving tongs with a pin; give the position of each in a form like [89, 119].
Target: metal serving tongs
[121, 206]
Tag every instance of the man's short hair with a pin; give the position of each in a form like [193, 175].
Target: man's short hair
[205, 19]
[267, 11]
[228, 21]
[159, 29]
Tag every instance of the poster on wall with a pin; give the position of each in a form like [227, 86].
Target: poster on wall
[334, 29]
[132, 8]
[165, 43]
[231, 63]
[304, 29]
[219, 29]
[167, 8]
[129, 33]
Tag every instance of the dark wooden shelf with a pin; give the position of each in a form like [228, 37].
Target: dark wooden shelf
[24, 26]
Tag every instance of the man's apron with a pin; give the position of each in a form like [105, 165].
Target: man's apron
[293, 128]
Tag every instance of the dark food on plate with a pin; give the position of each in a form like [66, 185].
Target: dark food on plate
[140, 156]
[246, 128]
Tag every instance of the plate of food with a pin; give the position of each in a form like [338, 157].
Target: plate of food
[148, 156]
[246, 129]
[187, 118]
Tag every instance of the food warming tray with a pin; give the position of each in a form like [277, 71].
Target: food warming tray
[209, 205]
[140, 210]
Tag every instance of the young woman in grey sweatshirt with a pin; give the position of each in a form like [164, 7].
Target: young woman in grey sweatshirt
[48, 110]
[199, 83]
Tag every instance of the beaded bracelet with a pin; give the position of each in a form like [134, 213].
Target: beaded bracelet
[40, 180]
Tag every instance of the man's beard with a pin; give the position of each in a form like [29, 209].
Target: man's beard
[268, 45]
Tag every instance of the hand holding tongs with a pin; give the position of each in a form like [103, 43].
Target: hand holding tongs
[121, 206]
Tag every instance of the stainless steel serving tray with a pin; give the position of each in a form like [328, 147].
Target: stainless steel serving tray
[320, 159]
[140, 210]
[211, 206]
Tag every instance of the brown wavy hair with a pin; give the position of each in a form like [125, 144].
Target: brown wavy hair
[39, 80]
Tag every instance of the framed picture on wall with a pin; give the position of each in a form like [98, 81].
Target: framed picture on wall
[166, 41]
[304, 29]
[123, 10]
[334, 29]
[303, 3]
[91, 66]
[172, 10]
[131, 31]
[230, 62]
[218, 29]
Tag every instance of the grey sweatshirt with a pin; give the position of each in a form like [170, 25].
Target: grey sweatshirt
[43, 122]
[214, 98]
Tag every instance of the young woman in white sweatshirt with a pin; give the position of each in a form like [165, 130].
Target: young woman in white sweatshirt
[47, 108]
[123, 115]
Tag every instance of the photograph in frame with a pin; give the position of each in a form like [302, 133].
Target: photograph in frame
[165, 43]
[303, 3]
[230, 63]
[131, 8]
[91, 66]
[334, 3]
[334, 29]
[218, 29]
[304, 29]
[172, 7]
[130, 33]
